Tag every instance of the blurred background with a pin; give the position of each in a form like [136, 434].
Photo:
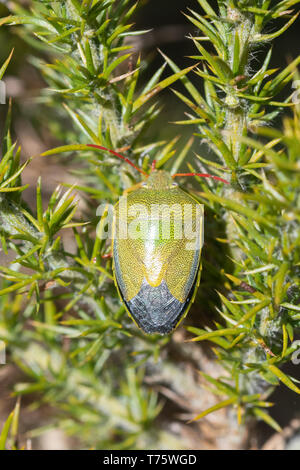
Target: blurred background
[169, 32]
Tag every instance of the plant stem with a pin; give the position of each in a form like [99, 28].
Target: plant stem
[236, 114]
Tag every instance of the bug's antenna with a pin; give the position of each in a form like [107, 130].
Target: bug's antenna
[118, 155]
[203, 175]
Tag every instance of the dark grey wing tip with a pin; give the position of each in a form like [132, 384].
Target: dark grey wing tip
[155, 310]
[150, 328]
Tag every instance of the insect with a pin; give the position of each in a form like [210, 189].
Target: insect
[156, 248]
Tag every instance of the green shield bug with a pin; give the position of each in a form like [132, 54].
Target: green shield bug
[156, 247]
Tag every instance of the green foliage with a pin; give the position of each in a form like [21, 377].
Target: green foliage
[9, 432]
[61, 318]
[88, 40]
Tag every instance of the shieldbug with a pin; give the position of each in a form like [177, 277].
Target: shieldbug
[156, 247]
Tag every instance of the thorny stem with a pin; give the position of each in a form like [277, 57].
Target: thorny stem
[236, 115]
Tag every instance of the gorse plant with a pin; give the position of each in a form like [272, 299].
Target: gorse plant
[105, 111]
[99, 382]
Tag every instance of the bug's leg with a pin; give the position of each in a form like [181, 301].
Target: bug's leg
[107, 256]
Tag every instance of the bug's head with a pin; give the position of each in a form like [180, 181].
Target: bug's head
[159, 179]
